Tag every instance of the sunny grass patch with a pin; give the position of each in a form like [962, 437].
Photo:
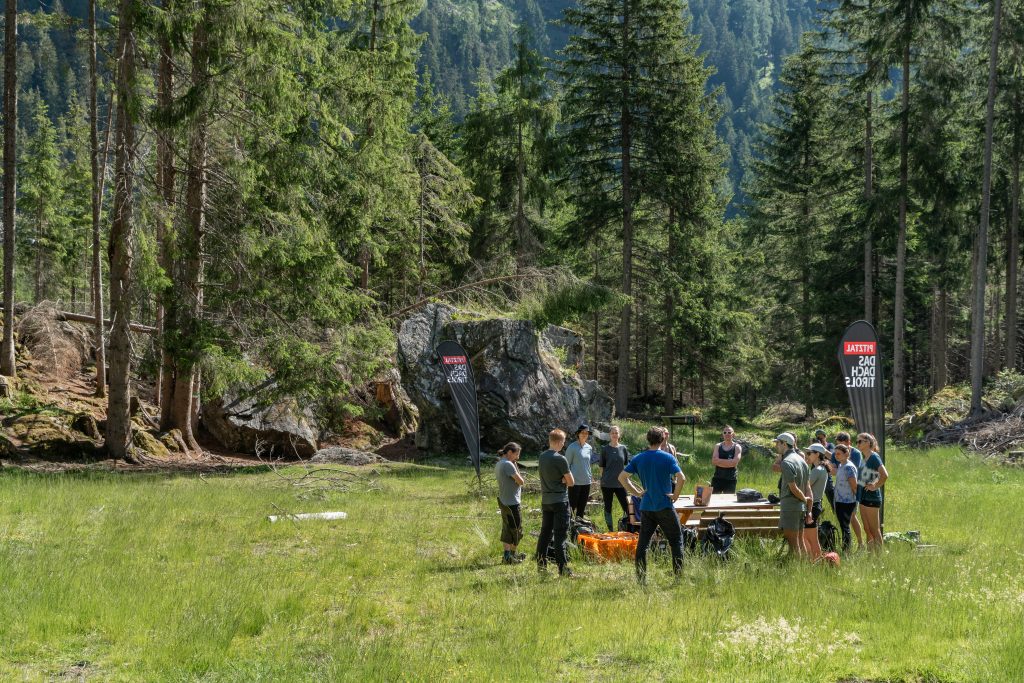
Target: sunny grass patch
[150, 577]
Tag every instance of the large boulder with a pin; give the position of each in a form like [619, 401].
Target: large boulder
[245, 425]
[527, 382]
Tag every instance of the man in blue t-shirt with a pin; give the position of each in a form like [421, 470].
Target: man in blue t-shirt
[663, 480]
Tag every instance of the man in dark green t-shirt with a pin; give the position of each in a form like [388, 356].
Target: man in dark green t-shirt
[555, 480]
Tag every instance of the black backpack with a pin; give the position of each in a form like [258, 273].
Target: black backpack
[748, 496]
[718, 537]
[828, 537]
[580, 525]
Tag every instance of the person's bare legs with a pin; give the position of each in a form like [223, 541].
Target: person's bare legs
[811, 545]
[872, 528]
[795, 541]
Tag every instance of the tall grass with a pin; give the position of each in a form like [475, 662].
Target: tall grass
[154, 577]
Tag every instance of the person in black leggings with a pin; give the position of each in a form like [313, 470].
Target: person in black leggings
[613, 458]
[846, 492]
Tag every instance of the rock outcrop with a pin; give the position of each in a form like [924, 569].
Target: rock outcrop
[527, 382]
[346, 456]
[247, 426]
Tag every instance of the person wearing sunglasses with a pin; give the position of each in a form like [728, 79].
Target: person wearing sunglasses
[726, 458]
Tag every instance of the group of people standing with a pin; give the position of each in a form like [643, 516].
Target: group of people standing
[805, 481]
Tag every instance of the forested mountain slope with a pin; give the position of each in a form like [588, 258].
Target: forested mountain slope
[746, 41]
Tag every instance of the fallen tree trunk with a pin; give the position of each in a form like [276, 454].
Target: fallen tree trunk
[80, 318]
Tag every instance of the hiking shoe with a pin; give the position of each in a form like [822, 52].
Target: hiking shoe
[567, 573]
[514, 559]
[520, 557]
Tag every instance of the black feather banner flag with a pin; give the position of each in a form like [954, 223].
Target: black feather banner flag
[459, 376]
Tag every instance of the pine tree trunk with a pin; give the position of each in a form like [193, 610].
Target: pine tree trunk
[37, 274]
[122, 238]
[670, 315]
[939, 339]
[981, 247]
[625, 123]
[898, 370]
[97, 200]
[10, 175]
[184, 406]
[805, 326]
[165, 188]
[868, 228]
[1013, 249]
[520, 170]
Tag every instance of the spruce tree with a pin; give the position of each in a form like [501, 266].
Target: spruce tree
[622, 79]
[42, 186]
[10, 174]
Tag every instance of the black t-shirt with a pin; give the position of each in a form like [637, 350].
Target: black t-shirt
[552, 467]
[726, 473]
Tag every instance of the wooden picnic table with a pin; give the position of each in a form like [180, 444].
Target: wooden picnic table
[760, 518]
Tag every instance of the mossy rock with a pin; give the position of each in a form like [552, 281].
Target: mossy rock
[148, 442]
[48, 437]
[86, 424]
[172, 440]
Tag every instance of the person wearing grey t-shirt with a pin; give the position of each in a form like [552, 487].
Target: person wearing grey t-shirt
[795, 495]
[613, 458]
[510, 496]
[579, 455]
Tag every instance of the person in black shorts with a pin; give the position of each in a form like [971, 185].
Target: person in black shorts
[726, 458]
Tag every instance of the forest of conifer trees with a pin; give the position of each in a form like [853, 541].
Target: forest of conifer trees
[272, 187]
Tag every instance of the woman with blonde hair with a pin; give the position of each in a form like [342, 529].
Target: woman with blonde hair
[871, 479]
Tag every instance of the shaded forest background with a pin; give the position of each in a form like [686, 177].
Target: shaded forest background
[283, 184]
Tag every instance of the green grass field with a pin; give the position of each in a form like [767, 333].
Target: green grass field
[157, 577]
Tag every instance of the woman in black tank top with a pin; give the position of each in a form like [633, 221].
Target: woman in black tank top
[726, 458]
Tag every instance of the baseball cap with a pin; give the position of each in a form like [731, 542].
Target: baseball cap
[785, 437]
[818, 448]
[583, 428]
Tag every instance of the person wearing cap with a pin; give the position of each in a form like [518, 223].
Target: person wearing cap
[726, 459]
[579, 455]
[663, 481]
[816, 456]
[795, 496]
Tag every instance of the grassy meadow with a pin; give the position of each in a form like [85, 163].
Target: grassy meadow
[150, 577]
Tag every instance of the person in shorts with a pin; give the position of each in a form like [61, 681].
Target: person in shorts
[510, 497]
[870, 480]
[726, 459]
[613, 458]
[816, 456]
[794, 492]
[555, 481]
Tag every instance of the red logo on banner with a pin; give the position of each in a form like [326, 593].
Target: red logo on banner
[453, 360]
[858, 348]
